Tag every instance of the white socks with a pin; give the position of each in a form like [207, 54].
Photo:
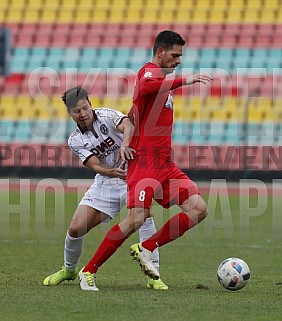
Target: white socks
[146, 231]
[72, 251]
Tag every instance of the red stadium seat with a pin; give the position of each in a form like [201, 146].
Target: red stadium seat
[266, 29]
[232, 29]
[276, 41]
[24, 40]
[198, 29]
[246, 41]
[28, 28]
[262, 41]
[195, 41]
[214, 29]
[248, 29]
[229, 41]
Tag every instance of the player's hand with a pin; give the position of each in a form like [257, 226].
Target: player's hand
[125, 153]
[121, 171]
[203, 78]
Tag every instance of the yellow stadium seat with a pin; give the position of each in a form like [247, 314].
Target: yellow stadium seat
[133, 16]
[150, 16]
[3, 15]
[116, 15]
[125, 102]
[17, 4]
[254, 5]
[153, 5]
[184, 4]
[103, 4]
[134, 5]
[52, 4]
[58, 107]
[277, 110]
[66, 15]
[8, 108]
[203, 5]
[4, 4]
[224, 5]
[25, 106]
[119, 4]
[217, 16]
[200, 16]
[35, 5]
[182, 16]
[14, 15]
[85, 4]
[110, 102]
[234, 16]
[167, 16]
[267, 16]
[272, 4]
[170, 4]
[96, 102]
[32, 15]
[68, 4]
[83, 16]
[251, 16]
[100, 15]
[278, 16]
[49, 15]
[234, 5]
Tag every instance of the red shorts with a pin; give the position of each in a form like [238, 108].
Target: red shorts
[151, 178]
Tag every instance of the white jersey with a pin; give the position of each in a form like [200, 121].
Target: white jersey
[106, 194]
[103, 141]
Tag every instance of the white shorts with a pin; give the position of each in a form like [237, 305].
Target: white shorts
[106, 194]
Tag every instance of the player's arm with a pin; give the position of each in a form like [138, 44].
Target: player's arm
[126, 127]
[93, 163]
[154, 86]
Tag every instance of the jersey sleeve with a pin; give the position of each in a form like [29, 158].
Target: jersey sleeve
[76, 146]
[115, 117]
[151, 84]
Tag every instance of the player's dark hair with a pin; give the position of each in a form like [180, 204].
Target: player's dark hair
[166, 39]
[72, 96]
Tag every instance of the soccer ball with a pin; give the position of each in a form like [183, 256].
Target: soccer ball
[233, 274]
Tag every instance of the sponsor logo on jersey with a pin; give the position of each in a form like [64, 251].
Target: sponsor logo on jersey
[148, 74]
[107, 147]
[104, 129]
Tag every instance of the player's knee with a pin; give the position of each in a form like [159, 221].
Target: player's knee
[76, 231]
[137, 217]
[203, 213]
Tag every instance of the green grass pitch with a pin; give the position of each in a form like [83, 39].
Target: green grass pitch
[31, 247]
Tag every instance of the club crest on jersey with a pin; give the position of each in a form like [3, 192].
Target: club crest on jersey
[104, 129]
[148, 74]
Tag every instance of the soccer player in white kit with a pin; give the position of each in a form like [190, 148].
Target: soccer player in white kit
[101, 137]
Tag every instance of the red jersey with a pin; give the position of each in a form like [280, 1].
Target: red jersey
[152, 111]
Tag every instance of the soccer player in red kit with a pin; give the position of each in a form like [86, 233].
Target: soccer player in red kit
[152, 173]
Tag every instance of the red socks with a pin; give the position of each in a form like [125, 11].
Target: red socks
[173, 228]
[112, 241]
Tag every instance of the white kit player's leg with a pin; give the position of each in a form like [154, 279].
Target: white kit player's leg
[72, 251]
[146, 231]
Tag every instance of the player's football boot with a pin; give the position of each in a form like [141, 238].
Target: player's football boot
[60, 276]
[87, 281]
[145, 260]
[156, 284]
